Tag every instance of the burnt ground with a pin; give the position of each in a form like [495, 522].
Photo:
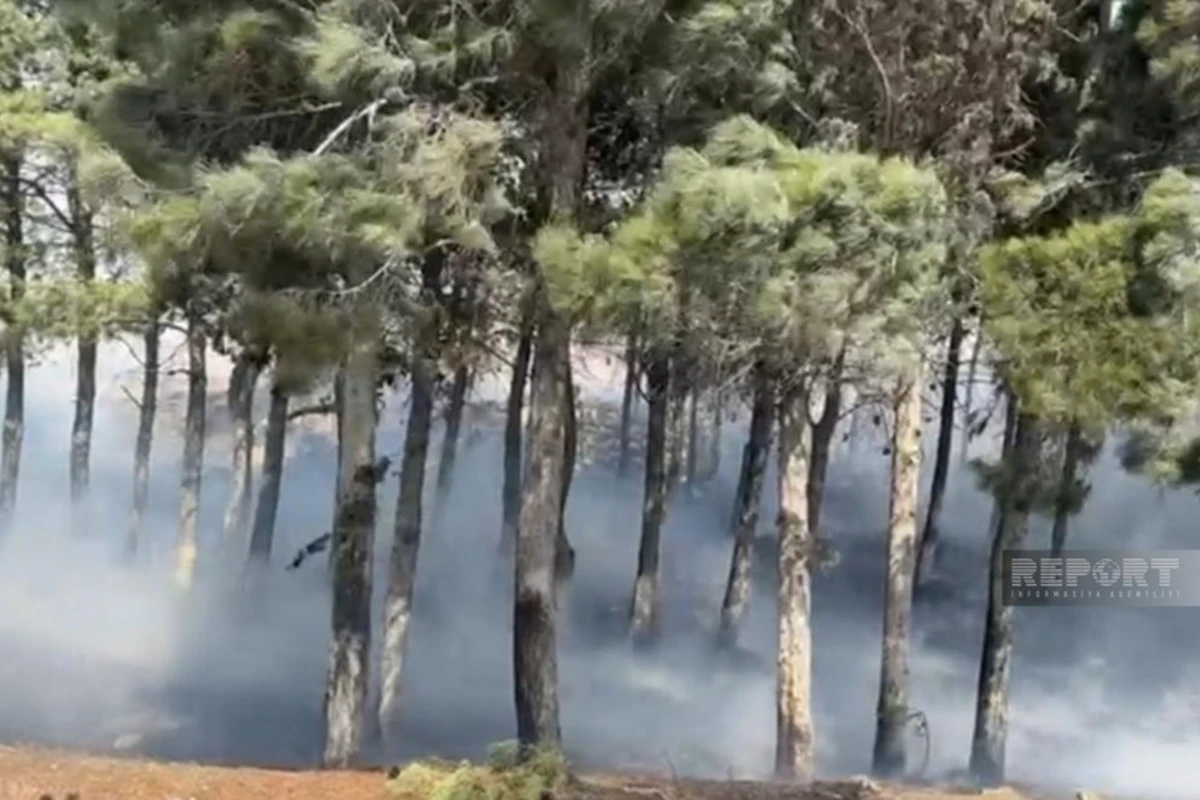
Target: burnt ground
[35, 774]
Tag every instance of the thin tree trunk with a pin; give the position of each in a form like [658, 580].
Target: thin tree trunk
[712, 463]
[676, 428]
[341, 477]
[747, 506]
[927, 561]
[513, 432]
[627, 400]
[83, 244]
[988, 742]
[193, 454]
[262, 535]
[1063, 505]
[353, 543]
[891, 714]
[454, 415]
[564, 553]
[972, 371]
[692, 468]
[535, 660]
[822, 442]
[794, 737]
[14, 346]
[402, 566]
[242, 384]
[644, 608]
[1006, 444]
[145, 436]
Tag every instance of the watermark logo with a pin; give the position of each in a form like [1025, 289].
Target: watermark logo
[1102, 578]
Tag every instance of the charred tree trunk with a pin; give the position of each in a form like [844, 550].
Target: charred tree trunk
[822, 442]
[455, 404]
[693, 440]
[644, 608]
[676, 428]
[242, 384]
[193, 454]
[535, 659]
[927, 561]
[564, 553]
[712, 462]
[747, 506]
[402, 566]
[988, 742]
[353, 543]
[262, 535]
[1063, 502]
[14, 344]
[147, 410]
[83, 244]
[793, 698]
[891, 715]
[513, 432]
[627, 400]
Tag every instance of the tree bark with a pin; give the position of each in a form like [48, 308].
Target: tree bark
[564, 553]
[643, 612]
[241, 411]
[676, 428]
[262, 535]
[891, 714]
[14, 345]
[972, 371]
[341, 477]
[455, 404]
[693, 440]
[794, 721]
[927, 560]
[353, 543]
[147, 410]
[83, 244]
[990, 735]
[513, 432]
[627, 400]
[712, 463]
[748, 505]
[822, 442]
[535, 660]
[1063, 505]
[402, 566]
[193, 454]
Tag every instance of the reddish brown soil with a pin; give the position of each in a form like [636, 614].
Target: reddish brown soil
[33, 774]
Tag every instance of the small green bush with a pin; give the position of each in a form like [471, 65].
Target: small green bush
[509, 774]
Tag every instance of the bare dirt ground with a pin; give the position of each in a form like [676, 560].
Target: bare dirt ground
[36, 774]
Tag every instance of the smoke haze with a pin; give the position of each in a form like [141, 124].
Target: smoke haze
[105, 657]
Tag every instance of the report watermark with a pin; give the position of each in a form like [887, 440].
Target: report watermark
[1101, 578]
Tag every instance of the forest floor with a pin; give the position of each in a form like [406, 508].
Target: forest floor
[37, 774]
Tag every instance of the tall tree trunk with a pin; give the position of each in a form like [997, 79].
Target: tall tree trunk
[891, 714]
[747, 506]
[83, 244]
[147, 410]
[262, 535]
[1063, 505]
[712, 461]
[402, 566]
[242, 384]
[564, 553]
[193, 454]
[341, 477]
[822, 442]
[693, 440]
[535, 660]
[14, 345]
[990, 735]
[627, 400]
[927, 560]
[353, 543]
[793, 698]
[644, 608]
[455, 404]
[676, 429]
[513, 431]
[972, 371]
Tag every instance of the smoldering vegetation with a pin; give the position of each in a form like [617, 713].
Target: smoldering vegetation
[103, 655]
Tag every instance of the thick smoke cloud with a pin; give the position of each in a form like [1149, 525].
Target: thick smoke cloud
[103, 656]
